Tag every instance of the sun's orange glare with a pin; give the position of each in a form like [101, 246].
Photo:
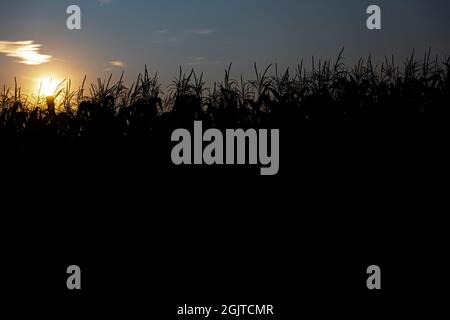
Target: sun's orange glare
[46, 86]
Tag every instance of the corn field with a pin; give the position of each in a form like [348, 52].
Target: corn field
[329, 95]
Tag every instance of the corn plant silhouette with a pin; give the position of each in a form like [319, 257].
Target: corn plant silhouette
[329, 97]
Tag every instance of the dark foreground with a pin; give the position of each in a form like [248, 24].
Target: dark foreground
[363, 169]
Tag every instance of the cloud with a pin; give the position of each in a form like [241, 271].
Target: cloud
[202, 31]
[199, 61]
[163, 36]
[166, 40]
[117, 63]
[162, 31]
[25, 52]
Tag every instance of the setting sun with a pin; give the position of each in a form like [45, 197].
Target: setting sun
[47, 86]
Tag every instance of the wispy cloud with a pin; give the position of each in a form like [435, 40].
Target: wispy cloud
[117, 63]
[197, 58]
[164, 36]
[199, 61]
[202, 31]
[25, 52]
[162, 31]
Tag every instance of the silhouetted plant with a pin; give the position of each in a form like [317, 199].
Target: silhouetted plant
[330, 94]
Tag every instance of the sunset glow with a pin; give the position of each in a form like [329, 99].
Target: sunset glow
[47, 86]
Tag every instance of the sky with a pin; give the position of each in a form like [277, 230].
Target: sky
[206, 35]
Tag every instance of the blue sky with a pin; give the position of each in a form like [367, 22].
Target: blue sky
[209, 34]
